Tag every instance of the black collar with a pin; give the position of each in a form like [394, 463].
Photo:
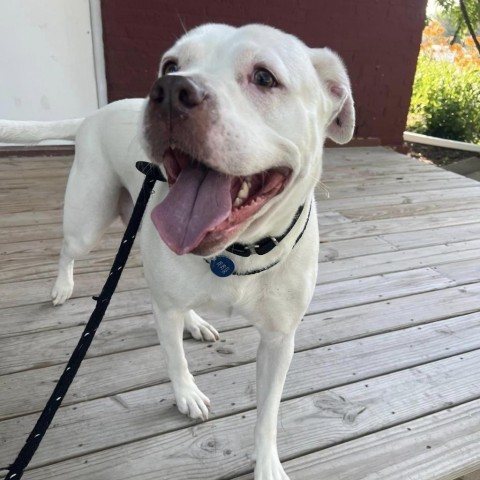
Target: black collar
[223, 266]
[264, 245]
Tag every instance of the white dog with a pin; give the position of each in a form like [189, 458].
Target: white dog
[237, 120]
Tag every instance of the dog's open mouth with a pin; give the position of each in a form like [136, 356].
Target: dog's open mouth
[204, 208]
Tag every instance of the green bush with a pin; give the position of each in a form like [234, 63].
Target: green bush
[446, 100]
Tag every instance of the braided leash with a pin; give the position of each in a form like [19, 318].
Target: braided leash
[16, 469]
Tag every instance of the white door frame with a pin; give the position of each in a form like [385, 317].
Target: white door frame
[98, 51]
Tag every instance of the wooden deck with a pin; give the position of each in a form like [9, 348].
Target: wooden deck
[385, 383]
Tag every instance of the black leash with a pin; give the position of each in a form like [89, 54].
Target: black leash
[17, 468]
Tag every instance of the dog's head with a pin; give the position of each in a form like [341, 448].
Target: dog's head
[238, 118]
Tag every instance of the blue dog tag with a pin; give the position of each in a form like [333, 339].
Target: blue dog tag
[222, 266]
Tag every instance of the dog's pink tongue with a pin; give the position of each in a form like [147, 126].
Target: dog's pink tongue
[197, 202]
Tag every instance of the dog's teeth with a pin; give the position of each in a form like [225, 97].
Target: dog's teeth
[244, 191]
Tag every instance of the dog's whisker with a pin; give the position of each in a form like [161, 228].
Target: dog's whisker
[181, 23]
[324, 188]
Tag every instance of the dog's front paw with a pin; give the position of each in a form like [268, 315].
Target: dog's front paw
[62, 291]
[270, 469]
[199, 329]
[191, 401]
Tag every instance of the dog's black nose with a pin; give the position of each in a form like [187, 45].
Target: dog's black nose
[176, 93]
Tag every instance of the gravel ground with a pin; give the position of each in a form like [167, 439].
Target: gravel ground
[439, 156]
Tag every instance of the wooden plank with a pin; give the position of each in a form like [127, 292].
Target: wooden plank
[397, 313]
[18, 164]
[112, 374]
[389, 226]
[393, 176]
[49, 347]
[31, 218]
[25, 231]
[88, 284]
[38, 350]
[39, 181]
[10, 203]
[33, 264]
[331, 296]
[464, 271]
[221, 448]
[331, 218]
[356, 156]
[53, 347]
[144, 413]
[422, 307]
[32, 174]
[351, 248]
[363, 190]
[381, 263]
[378, 173]
[135, 415]
[42, 231]
[35, 350]
[34, 259]
[373, 169]
[98, 263]
[388, 199]
[410, 210]
[440, 446]
[29, 260]
[43, 317]
[48, 231]
[433, 236]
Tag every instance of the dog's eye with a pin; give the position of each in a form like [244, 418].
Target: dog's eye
[263, 78]
[170, 67]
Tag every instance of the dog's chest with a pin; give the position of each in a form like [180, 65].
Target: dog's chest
[230, 296]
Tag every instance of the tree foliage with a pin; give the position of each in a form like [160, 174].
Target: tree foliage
[464, 16]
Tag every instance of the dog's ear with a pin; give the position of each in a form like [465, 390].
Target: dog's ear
[333, 74]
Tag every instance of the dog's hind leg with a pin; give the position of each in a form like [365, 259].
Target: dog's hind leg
[199, 329]
[91, 205]
[63, 288]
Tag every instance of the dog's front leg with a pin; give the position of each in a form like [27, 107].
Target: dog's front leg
[190, 400]
[273, 360]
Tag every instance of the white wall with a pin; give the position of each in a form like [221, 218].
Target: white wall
[46, 60]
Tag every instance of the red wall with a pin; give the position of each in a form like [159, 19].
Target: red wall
[378, 39]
